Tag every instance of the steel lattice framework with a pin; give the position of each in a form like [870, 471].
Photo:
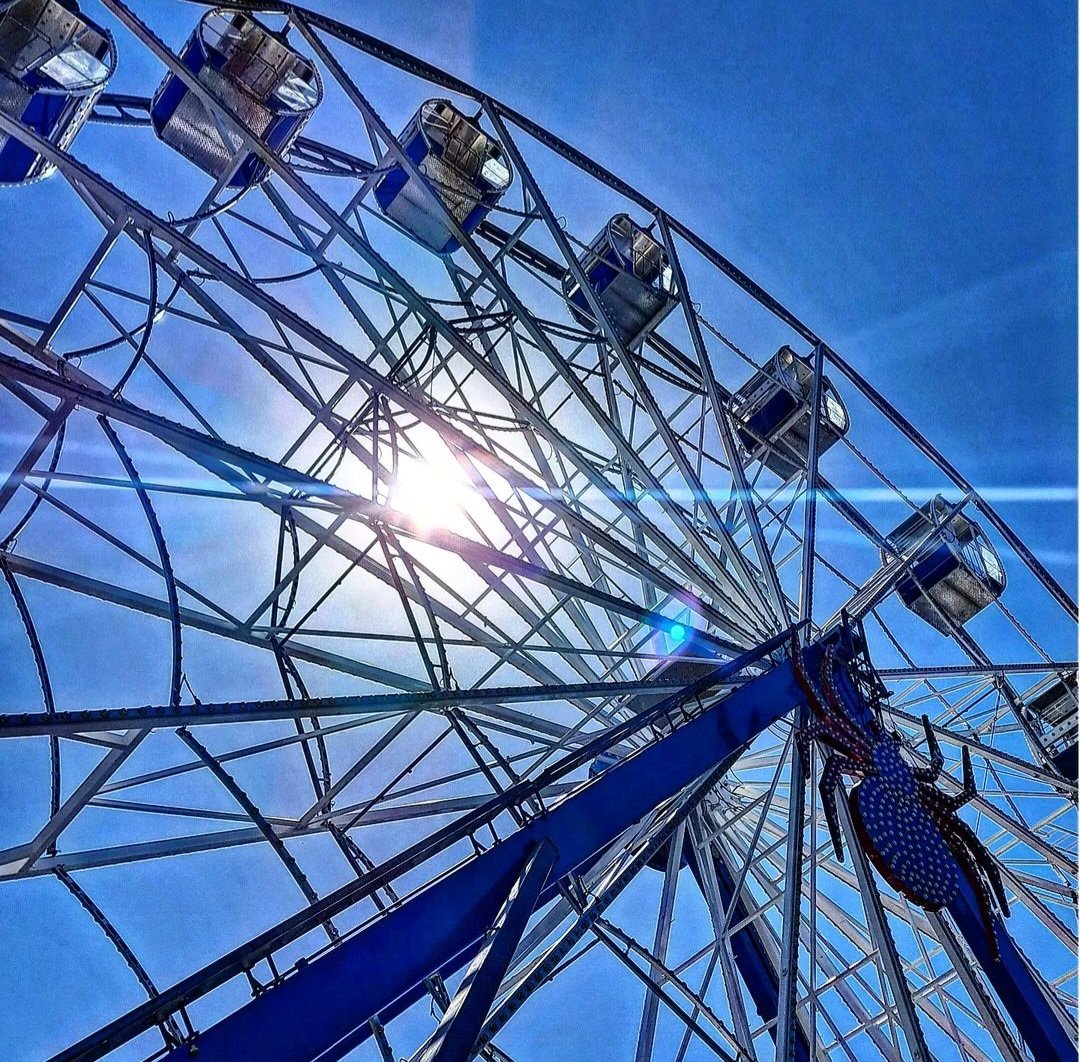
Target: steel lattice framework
[475, 610]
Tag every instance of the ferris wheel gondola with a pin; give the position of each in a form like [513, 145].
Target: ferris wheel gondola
[54, 63]
[461, 570]
[271, 86]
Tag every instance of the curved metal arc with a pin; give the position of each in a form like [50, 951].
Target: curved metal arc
[256, 816]
[44, 680]
[170, 1029]
[163, 557]
[404, 61]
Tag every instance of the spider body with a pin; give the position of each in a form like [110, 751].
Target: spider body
[909, 829]
[903, 843]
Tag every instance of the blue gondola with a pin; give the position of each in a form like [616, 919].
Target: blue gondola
[54, 62]
[954, 574]
[254, 70]
[773, 412]
[1052, 706]
[630, 273]
[463, 165]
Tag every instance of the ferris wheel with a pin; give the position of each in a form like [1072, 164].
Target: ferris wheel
[441, 585]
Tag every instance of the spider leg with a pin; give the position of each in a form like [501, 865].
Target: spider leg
[837, 714]
[967, 862]
[969, 791]
[937, 760]
[823, 730]
[962, 839]
[988, 863]
[803, 736]
[835, 768]
[834, 729]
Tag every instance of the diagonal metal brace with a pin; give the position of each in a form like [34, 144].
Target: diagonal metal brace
[455, 1038]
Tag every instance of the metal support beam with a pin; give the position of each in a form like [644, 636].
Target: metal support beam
[749, 949]
[125, 744]
[455, 1038]
[396, 57]
[883, 938]
[721, 415]
[786, 1025]
[93, 720]
[1023, 992]
[991, 1017]
[651, 1008]
[27, 462]
[457, 908]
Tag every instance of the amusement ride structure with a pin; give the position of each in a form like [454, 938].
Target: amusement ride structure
[468, 581]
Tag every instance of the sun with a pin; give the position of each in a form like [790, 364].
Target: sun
[432, 491]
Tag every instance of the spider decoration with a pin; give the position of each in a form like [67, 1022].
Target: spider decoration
[908, 828]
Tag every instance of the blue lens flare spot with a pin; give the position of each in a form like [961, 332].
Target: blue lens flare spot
[677, 632]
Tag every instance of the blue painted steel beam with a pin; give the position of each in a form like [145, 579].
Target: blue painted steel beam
[454, 1039]
[309, 1013]
[309, 1016]
[271, 941]
[1018, 987]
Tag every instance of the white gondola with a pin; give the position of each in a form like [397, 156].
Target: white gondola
[54, 63]
[1053, 706]
[463, 165]
[630, 273]
[773, 412]
[270, 86]
[954, 574]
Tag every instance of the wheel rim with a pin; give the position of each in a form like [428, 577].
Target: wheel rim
[556, 516]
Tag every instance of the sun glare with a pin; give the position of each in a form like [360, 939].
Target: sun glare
[431, 492]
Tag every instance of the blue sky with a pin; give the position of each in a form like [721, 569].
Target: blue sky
[905, 183]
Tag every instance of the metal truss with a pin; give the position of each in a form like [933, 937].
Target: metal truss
[476, 616]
